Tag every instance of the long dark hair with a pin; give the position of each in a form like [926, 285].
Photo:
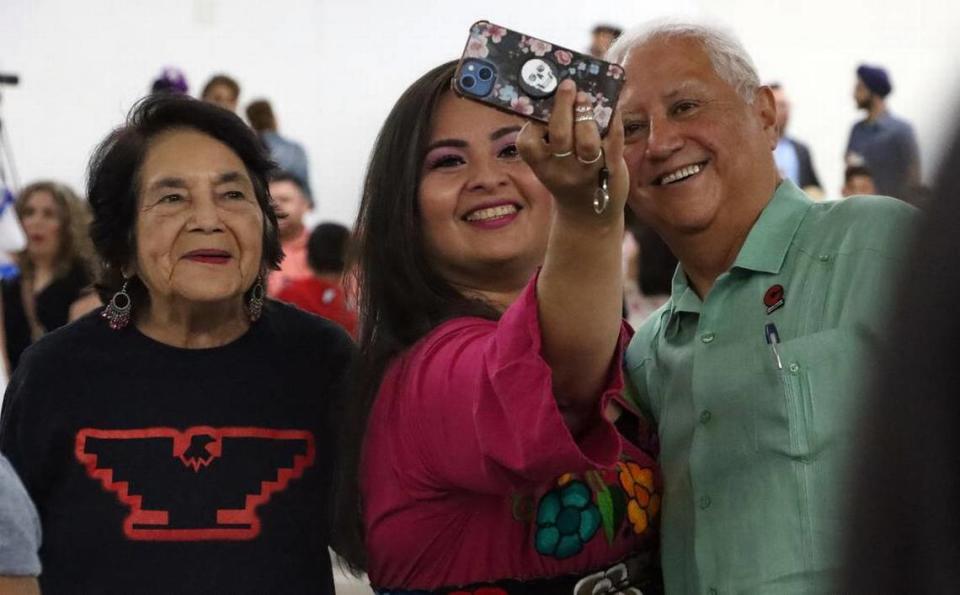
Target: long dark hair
[657, 262]
[401, 297]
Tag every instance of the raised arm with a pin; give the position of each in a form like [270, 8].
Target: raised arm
[579, 290]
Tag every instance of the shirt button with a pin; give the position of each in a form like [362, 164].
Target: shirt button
[824, 257]
[705, 502]
[708, 337]
[705, 416]
[794, 367]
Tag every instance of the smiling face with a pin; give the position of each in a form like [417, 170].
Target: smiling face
[199, 228]
[293, 204]
[42, 220]
[699, 156]
[481, 207]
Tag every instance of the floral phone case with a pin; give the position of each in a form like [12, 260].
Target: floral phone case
[517, 73]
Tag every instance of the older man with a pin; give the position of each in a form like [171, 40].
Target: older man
[752, 368]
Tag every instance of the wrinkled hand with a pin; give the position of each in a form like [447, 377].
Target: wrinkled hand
[560, 165]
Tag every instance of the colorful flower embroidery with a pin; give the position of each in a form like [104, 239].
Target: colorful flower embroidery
[594, 68]
[615, 581]
[644, 503]
[566, 520]
[614, 72]
[477, 47]
[563, 57]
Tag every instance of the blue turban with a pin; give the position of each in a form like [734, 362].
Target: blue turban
[876, 79]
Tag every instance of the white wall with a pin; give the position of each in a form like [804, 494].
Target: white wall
[814, 48]
[333, 69]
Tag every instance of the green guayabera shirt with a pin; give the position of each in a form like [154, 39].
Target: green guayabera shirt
[753, 451]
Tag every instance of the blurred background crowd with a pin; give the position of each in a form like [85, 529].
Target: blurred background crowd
[854, 97]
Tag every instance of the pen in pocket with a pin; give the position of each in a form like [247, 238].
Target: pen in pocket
[773, 339]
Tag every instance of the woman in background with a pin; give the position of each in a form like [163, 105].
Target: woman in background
[55, 273]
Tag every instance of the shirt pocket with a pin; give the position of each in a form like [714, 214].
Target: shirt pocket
[809, 400]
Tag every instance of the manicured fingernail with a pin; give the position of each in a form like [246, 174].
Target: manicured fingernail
[583, 97]
[568, 84]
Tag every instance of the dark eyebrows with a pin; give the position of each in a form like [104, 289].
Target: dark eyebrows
[461, 144]
[230, 176]
[168, 182]
[447, 142]
[504, 132]
[181, 184]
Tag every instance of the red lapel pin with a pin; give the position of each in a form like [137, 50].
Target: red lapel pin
[773, 299]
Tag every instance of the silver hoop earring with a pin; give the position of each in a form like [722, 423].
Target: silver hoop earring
[117, 311]
[255, 303]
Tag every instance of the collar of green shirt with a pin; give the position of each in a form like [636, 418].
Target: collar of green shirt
[764, 250]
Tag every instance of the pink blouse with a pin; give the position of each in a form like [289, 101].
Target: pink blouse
[470, 474]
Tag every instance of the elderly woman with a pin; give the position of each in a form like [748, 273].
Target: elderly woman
[180, 440]
[55, 275]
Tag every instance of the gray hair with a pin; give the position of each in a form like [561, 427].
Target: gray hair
[730, 60]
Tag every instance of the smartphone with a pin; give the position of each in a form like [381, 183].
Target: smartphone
[517, 73]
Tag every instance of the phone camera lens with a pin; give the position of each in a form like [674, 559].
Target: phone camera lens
[485, 74]
[468, 82]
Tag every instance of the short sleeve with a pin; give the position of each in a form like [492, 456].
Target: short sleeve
[19, 526]
[476, 409]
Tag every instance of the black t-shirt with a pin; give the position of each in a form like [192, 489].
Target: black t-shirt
[52, 307]
[165, 470]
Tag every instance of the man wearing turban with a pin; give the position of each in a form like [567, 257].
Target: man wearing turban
[882, 142]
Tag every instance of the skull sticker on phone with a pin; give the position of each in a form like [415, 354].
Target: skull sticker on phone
[538, 78]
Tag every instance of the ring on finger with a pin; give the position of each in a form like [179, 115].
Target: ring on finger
[564, 154]
[591, 161]
[584, 118]
[583, 109]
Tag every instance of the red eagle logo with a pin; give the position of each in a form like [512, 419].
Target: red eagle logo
[197, 484]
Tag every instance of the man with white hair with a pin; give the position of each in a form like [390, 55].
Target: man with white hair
[752, 369]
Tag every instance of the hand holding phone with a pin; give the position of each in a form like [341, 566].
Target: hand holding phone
[579, 168]
[520, 74]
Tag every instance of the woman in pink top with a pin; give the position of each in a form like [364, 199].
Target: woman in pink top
[481, 458]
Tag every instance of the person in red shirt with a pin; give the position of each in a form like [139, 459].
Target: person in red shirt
[323, 293]
[292, 205]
